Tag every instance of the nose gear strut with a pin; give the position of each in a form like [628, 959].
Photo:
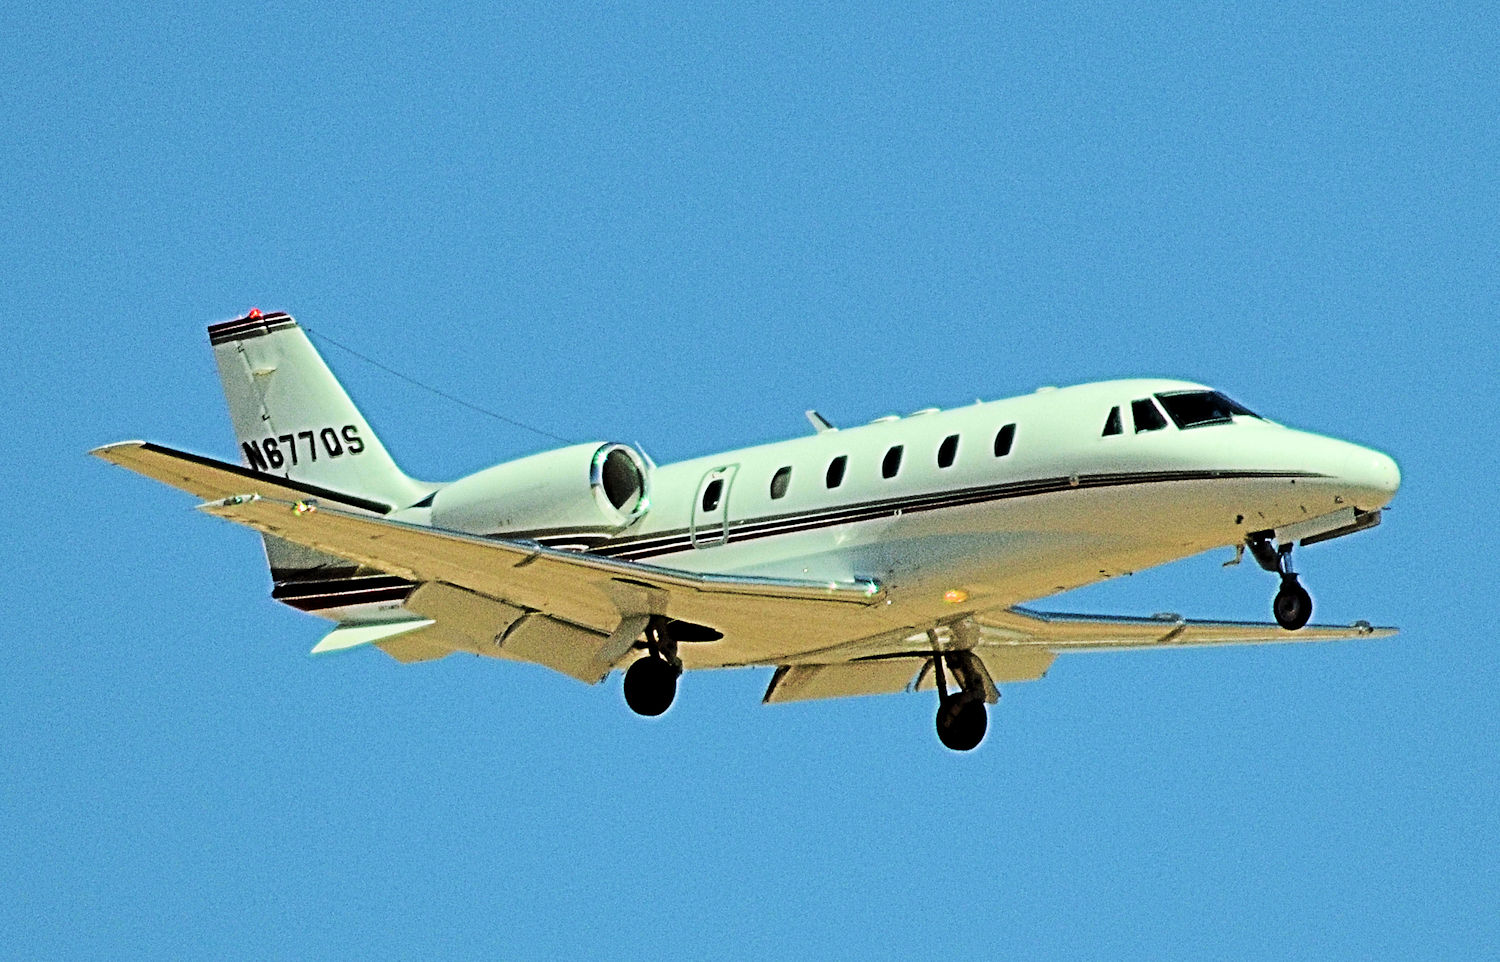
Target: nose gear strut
[1293, 605]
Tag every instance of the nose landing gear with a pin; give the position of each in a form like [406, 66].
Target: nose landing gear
[651, 683]
[1293, 605]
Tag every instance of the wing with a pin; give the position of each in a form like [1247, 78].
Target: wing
[589, 604]
[1018, 644]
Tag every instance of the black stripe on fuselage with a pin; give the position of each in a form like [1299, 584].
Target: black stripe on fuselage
[668, 542]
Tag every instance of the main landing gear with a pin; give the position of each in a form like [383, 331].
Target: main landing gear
[1293, 605]
[651, 683]
[961, 717]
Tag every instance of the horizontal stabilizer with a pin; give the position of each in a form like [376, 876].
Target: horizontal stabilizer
[214, 480]
[345, 637]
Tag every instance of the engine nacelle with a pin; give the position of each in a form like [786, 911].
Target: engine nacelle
[584, 488]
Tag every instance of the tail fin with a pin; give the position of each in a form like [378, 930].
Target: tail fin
[293, 418]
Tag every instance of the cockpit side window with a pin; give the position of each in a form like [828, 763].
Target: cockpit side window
[1192, 409]
[1112, 424]
[1147, 416]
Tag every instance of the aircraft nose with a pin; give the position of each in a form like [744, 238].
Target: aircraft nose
[1375, 475]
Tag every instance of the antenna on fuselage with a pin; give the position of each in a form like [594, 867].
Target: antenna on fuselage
[819, 422]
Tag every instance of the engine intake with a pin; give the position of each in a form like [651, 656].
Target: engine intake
[619, 474]
[585, 488]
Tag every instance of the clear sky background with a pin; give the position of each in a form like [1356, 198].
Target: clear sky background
[681, 227]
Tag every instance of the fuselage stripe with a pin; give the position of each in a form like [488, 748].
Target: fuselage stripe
[679, 540]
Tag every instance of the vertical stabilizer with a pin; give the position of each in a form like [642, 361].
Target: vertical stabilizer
[292, 418]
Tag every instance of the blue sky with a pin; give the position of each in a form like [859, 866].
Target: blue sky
[681, 227]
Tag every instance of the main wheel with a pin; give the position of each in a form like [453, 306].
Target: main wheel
[650, 686]
[1293, 605]
[961, 722]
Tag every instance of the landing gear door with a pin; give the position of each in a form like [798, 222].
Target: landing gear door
[709, 523]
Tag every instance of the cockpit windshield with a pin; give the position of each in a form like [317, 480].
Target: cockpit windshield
[1192, 409]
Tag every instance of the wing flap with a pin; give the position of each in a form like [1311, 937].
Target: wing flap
[881, 676]
[910, 671]
[557, 644]
[410, 649]
[1001, 666]
[465, 621]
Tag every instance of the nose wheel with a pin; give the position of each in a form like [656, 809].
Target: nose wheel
[1292, 606]
[651, 683]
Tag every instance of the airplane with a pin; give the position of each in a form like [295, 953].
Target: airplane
[899, 555]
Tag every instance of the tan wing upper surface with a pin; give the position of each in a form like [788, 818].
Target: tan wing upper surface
[760, 618]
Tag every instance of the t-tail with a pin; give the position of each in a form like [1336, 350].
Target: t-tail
[293, 419]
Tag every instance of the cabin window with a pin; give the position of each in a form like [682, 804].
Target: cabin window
[1112, 423]
[892, 463]
[1004, 440]
[780, 481]
[712, 494]
[836, 470]
[948, 451]
[1147, 416]
[1191, 409]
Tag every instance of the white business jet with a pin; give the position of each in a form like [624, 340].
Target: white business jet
[887, 557]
